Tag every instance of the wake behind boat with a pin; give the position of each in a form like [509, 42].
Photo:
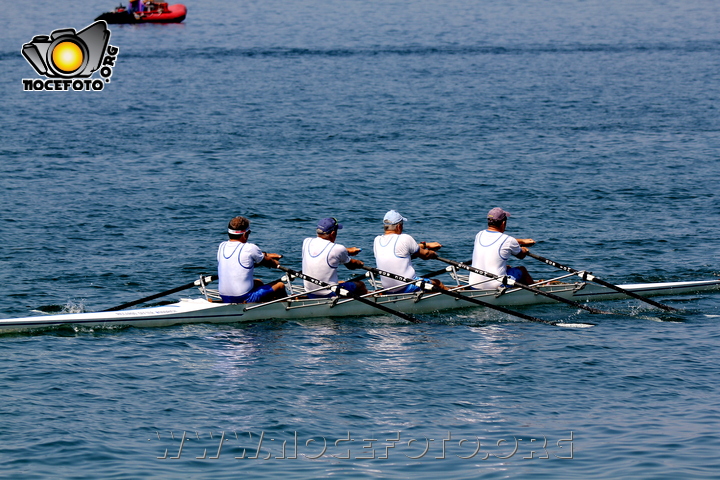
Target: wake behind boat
[208, 309]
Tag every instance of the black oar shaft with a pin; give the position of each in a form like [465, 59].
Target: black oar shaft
[196, 283]
[460, 296]
[587, 276]
[360, 299]
[557, 298]
[426, 275]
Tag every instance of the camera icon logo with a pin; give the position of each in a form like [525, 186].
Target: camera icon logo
[68, 54]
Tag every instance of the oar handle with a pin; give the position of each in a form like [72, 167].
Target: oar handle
[340, 292]
[592, 278]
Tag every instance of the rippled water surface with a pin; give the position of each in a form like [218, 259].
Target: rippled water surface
[594, 123]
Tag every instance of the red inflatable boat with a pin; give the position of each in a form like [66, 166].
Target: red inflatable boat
[146, 12]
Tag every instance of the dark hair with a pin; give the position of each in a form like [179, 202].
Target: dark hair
[238, 223]
[495, 223]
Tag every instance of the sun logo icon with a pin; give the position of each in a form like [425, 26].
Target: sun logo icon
[67, 57]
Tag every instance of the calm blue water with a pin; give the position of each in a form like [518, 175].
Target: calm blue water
[595, 123]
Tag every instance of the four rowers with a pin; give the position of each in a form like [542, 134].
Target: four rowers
[394, 251]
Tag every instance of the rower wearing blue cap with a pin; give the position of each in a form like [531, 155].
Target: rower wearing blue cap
[394, 251]
[321, 257]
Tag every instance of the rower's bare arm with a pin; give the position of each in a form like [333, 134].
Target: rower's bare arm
[352, 251]
[427, 250]
[354, 263]
[271, 260]
[523, 252]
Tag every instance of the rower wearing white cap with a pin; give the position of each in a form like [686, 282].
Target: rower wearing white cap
[237, 259]
[493, 248]
[394, 251]
[321, 257]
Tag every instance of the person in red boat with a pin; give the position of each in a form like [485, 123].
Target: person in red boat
[135, 6]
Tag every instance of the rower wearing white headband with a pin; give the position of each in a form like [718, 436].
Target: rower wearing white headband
[237, 259]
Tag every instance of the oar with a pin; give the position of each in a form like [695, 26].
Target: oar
[514, 283]
[356, 278]
[587, 276]
[474, 300]
[344, 293]
[196, 283]
[425, 275]
[283, 299]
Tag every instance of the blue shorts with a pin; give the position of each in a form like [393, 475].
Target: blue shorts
[515, 273]
[412, 288]
[255, 295]
[351, 287]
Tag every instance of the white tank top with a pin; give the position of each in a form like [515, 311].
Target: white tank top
[236, 266]
[320, 259]
[393, 253]
[491, 253]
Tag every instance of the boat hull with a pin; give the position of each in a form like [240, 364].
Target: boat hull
[200, 310]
